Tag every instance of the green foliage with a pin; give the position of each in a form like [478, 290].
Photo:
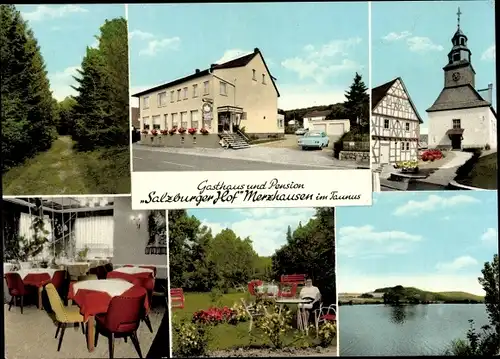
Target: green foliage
[101, 114]
[65, 108]
[400, 294]
[478, 344]
[28, 111]
[191, 339]
[216, 297]
[366, 295]
[310, 250]
[357, 106]
[490, 282]
[327, 333]
[81, 255]
[274, 325]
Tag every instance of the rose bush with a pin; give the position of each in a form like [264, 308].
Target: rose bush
[215, 316]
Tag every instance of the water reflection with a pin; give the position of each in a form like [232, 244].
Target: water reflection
[400, 314]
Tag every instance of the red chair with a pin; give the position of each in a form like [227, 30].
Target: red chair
[101, 272]
[16, 289]
[252, 284]
[153, 268]
[149, 285]
[177, 298]
[288, 294]
[60, 282]
[121, 321]
[324, 314]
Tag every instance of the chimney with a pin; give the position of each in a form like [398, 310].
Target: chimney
[197, 71]
[256, 50]
[490, 93]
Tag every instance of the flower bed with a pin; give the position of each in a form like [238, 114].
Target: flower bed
[215, 316]
[407, 166]
[431, 155]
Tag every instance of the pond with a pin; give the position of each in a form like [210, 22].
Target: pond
[366, 330]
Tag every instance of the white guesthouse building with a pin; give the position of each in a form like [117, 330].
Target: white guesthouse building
[395, 124]
[461, 117]
[316, 120]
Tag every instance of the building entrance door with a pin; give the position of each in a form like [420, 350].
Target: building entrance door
[456, 142]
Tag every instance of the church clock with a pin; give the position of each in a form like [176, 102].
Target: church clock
[456, 76]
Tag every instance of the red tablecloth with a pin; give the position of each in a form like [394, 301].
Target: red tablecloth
[93, 302]
[37, 279]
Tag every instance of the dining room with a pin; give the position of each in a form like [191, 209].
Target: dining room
[85, 275]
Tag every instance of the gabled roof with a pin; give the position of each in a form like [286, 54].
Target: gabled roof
[378, 93]
[323, 113]
[238, 62]
[457, 98]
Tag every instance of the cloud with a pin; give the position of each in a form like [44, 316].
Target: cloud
[415, 43]
[60, 82]
[489, 54]
[456, 264]
[231, 55]
[433, 203]
[422, 44]
[325, 61]
[48, 12]
[154, 43]
[352, 282]
[306, 95]
[490, 236]
[365, 240]
[394, 36]
[266, 227]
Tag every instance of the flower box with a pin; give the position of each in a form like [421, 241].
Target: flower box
[154, 132]
[172, 131]
[144, 132]
[181, 130]
[164, 132]
[192, 131]
[204, 131]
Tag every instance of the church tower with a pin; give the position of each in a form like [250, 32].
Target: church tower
[459, 71]
[460, 117]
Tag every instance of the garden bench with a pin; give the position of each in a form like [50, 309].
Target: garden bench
[293, 278]
[177, 298]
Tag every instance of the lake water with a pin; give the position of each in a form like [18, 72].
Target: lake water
[406, 330]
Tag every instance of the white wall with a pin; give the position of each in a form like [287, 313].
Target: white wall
[479, 126]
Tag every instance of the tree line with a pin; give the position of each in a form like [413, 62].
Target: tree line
[98, 116]
[203, 261]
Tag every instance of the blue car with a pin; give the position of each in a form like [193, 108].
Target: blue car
[314, 139]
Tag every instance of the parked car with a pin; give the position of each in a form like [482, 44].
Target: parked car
[301, 131]
[314, 139]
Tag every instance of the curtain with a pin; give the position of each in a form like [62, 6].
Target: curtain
[26, 231]
[95, 233]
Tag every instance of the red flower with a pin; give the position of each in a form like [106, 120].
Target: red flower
[154, 132]
[204, 131]
[164, 132]
[192, 131]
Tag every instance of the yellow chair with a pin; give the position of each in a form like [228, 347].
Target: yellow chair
[87, 277]
[64, 315]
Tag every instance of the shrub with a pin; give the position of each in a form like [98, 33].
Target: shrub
[154, 132]
[192, 339]
[192, 130]
[326, 333]
[240, 313]
[431, 155]
[274, 325]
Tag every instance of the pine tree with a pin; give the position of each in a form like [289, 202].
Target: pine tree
[27, 106]
[357, 104]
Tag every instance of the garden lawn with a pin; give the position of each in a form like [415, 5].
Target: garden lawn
[63, 170]
[484, 173]
[224, 336]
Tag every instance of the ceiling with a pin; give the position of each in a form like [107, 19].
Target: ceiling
[68, 204]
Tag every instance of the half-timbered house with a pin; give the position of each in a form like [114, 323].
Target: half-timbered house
[395, 124]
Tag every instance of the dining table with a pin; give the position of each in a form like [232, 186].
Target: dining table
[269, 289]
[94, 296]
[36, 277]
[301, 311]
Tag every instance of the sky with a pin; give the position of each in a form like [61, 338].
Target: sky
[63, 33]
[313, 49]
[436, 241]
[266, 227]
[411, 40]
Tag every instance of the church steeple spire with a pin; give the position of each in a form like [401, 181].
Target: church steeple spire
[459, 53]
[458, 17]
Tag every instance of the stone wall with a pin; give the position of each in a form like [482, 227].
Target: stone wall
[254, 136]
[182, 141]
[357, 156]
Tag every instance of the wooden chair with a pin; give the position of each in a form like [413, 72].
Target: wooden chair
[64, 315]
[177, 298]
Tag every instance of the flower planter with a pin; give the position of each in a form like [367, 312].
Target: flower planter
[156, 140]
[409, 170]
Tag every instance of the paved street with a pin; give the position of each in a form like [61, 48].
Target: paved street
[147, 158]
